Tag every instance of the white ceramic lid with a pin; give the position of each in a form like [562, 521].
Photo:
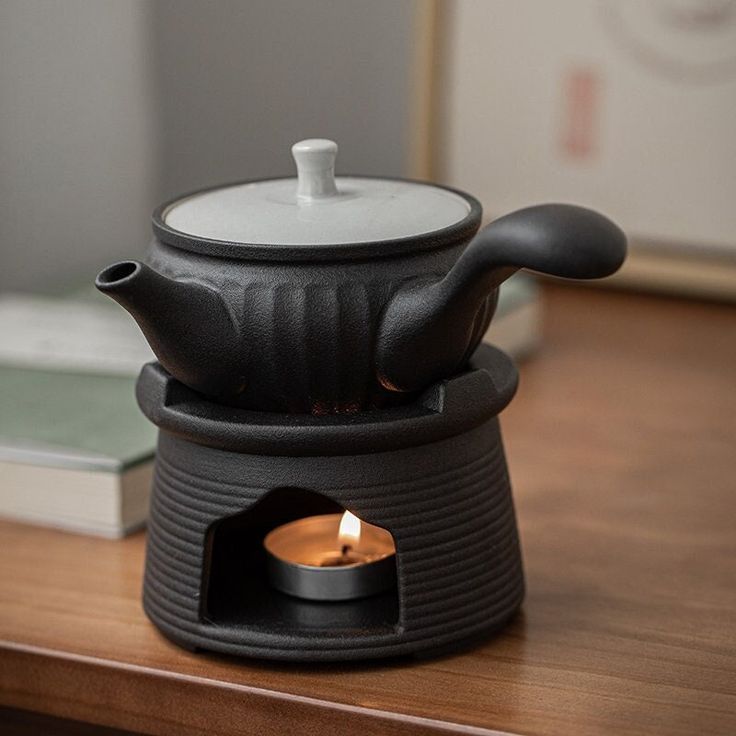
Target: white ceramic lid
[316, 208]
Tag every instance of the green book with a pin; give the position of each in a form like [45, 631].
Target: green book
[75, 450]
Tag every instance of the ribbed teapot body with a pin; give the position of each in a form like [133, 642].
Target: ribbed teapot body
[306, 331]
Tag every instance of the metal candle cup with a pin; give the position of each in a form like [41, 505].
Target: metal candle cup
[317, 559]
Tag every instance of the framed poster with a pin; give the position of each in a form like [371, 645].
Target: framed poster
[626, 106]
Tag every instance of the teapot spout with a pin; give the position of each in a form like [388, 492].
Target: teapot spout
[186, 324]
[429, 330]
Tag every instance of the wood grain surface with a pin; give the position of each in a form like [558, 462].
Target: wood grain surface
[622, 448]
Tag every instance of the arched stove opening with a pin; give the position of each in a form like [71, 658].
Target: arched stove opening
[236, 590]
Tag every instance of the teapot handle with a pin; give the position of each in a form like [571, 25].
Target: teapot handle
[428, 330]
[555, 239]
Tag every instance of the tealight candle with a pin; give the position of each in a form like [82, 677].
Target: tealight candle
[331, 557]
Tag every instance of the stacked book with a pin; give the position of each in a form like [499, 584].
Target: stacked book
[75, 451]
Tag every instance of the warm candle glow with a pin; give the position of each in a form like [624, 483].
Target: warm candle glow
[330, 557]
[349, 531]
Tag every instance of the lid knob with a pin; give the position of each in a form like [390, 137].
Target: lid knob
[315, 165]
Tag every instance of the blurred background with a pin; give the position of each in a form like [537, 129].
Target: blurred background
[108, 107]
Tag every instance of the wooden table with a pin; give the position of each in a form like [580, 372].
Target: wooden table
[622, 447]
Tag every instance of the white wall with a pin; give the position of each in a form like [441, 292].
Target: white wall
[77, 137]
[239, 82]
[108, 106]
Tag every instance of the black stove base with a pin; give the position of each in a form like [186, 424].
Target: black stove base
[433, 474]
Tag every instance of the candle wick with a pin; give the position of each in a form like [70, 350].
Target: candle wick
[345, 549]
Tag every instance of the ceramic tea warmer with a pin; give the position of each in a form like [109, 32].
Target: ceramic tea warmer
[318, 362]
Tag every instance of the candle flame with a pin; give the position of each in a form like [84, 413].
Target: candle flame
[349, 531]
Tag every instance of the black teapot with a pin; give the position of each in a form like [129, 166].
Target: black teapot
[325, 296]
